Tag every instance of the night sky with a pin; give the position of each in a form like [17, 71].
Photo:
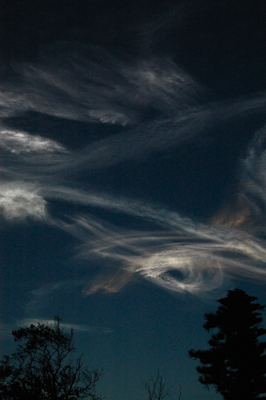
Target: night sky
[133, 176]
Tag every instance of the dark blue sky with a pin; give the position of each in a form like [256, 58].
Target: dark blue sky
[133, 186]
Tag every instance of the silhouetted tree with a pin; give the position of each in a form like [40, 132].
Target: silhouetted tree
[42, 367]
[235, 364]
[156, 388]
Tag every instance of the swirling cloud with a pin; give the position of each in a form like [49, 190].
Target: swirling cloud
[181, 256]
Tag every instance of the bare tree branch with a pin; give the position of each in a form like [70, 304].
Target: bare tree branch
[41, 368]
[156, 389]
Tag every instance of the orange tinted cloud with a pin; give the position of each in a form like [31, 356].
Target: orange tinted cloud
[110, 282]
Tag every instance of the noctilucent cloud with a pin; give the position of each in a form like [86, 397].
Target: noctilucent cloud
[133, 183]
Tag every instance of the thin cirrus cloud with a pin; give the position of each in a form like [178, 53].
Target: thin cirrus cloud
[253, 177]
[75, 327]
[5, 328]
[18, 142]
[89, 84]
[138, 142]
[247, 210]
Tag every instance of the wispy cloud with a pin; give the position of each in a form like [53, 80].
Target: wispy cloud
[45, 294]
[252, 174]
[158, 106]
[88, 83]
[7, 328]
[18, 142]
[247, 210]
[68, 326]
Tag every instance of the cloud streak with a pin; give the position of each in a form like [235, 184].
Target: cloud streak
[77, 328]
[18, 142]
[6, 328]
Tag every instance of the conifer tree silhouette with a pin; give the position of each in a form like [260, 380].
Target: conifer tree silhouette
[235, 363]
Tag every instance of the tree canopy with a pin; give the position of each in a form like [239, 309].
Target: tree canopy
[42, 367]
[235, 363]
